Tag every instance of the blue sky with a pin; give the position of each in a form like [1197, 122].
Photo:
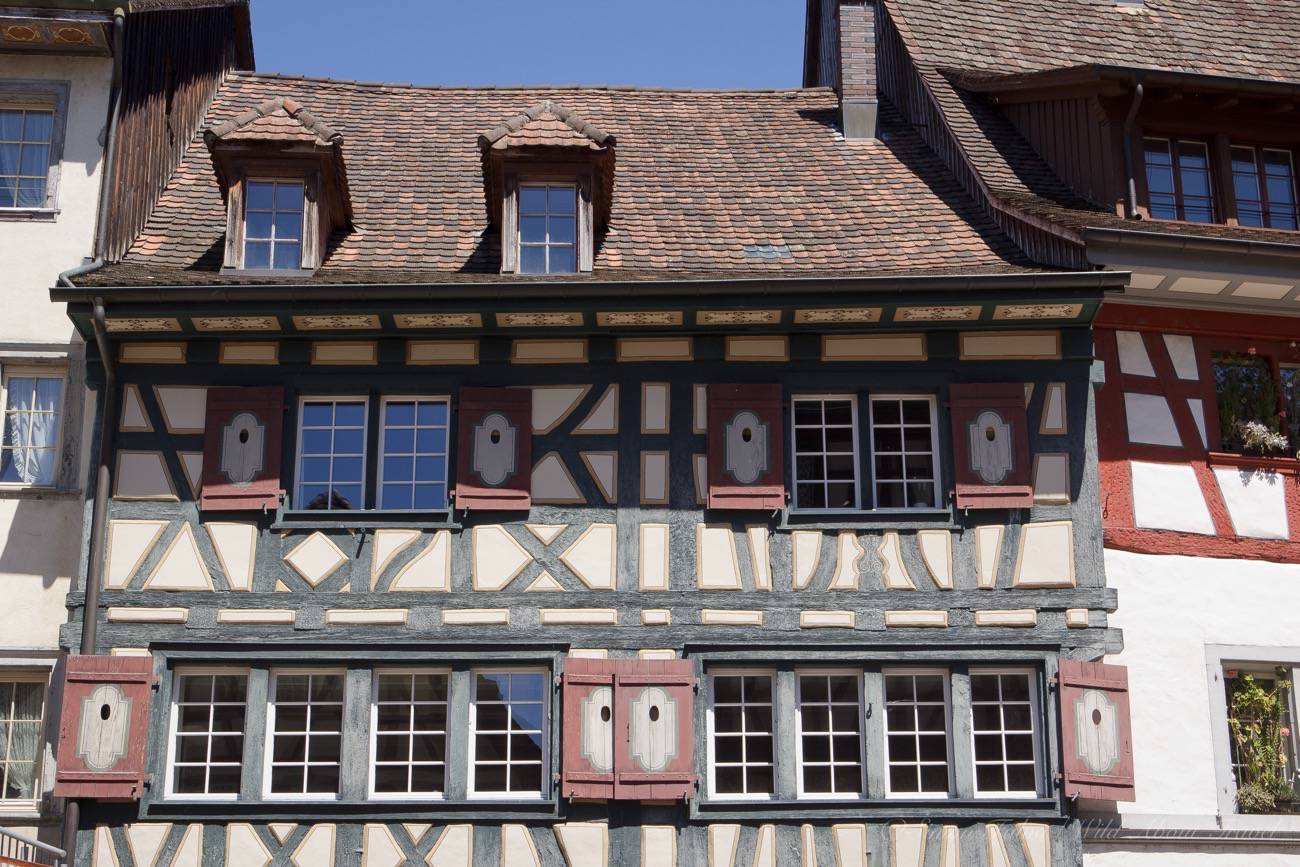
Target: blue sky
[660, 43]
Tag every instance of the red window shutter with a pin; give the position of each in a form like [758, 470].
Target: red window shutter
[746, 447]
[241, 449]
[1096, 732]
[587, 754]
[104, 728]
[494, 449]
[990, 440]
[655, 730]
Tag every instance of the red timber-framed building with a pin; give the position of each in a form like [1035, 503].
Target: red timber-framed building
[1159, 138]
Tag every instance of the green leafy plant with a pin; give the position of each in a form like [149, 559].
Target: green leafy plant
[1257, 722]
[1248, 405]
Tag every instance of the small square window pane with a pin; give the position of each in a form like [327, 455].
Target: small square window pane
[228, 748]
[400, 413]
[562, 200]
[327, 687]
[391, 778]
[489, 778]
[288, 226]
[916, 412]
[224, 780]
[807, 412]
[839, 439]
[816, 748]
[396, 497]
[491, 687]
[190, 780]
[350, 414]
[257, 254]
[988, 778]
[230, 687]
[400, 469]
[317, 414]
[8, 193]
[11, 125]
[286, 779]
[760, 780]
[526, 778]
[31, 193]
[817, 779]
[839, 412]
[430, 469]
[934, 778]
[260, 195]
[287, 256]
[526, 717]
[347, 470]
[532, 230]
[431, 440]
[348, 441]
[532, 200]
[920, 494]
[526, 687]
[841, 496]
[887, 439]
[564, 260]
[433, 413]
[427, 778]
[902, 748]
[1021, 778]
[430, 687]
[848, 779]
[808, 439]
[257, 225]
[327, 718]
[399, 441]
[430, 497]
[35, 160]
[288, 197]
[323, 779]
[39, 126]
[813, 689]
[532, 260]
[562, 230]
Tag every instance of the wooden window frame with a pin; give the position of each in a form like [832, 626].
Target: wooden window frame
[276, 183]
[578, 175]
[41, 95]
[471, 791]
[303, 400]
[858, 677]
[169, 787]
[268, 758]
[43, 679]
[384, 400]
[372, 764]
[1213, 174]
[710, 734]
[937, 480]
[945, 674]
[794, 452]
[1036, 731]
[314, 223]
[1261, 181]
[8, 372]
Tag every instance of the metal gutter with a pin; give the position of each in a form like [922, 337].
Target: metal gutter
[604, 289]
[1169, 242]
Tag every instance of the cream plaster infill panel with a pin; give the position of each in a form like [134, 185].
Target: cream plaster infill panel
[850, 845]
[655, 349]
[893, 570]
[244, 848]
[1054, 418]
[1150, 420]
[988, 554]
[827, 619]
[760, 560]
[184, 407]
[1196, 407]
[848, 555]
[455, 847]
[658, 846]
[656, 616]
[315, 558]
[1168, 497]
[145, 840]
[117, 614]
[1052, 478]
[476, 617]
[551, 483]
[805, 553]
[723, 842]
[1020, 618]
[496, 558]
[143, 476]
[730, 617]
[366, 616]
[552, 404]
[257, 616]
[1133, 357]
[603, 467]
[134, 419]
[546, 533]
[249, 352]
[1256, 502]
[907, 845]
[1182, 354]
[593, 556]
[654, 565]
[343, 352]
[654, 478]
[192, 466]
[996, 845]
[655, 407]
[425, 352]
[717, 562]
[236, 547]
[936, 554]
[544, 583]
[429, 571]
[603, 417]
[151, 353]
[758, 348]
[1046, 555]
[379, 849]
[916, 619]
[181, 567]
[578, 616]
[518, 848]
[387, 544]
[1036, 841]
[316, 848]
[873, 347]
[129, 544]
[1009, 345]
[549, 351]
[583, 844]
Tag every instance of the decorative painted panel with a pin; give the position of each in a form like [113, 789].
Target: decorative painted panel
[241, 454]
[495, 445]
[1096, 733]
[104, 728]
[746, 447]
[990, 446]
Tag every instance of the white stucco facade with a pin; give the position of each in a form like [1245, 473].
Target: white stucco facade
[1181, 616]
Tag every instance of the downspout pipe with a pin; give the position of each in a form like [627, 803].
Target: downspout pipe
[107, 400]
[1139, 91]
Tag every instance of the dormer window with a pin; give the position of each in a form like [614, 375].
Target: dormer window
[273, 221]
[1178, 180]
[285, 184]
[548, 228]
[1264, 182]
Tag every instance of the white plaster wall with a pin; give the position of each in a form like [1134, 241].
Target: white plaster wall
[33, 253]
[39, 548]
[1170, 608]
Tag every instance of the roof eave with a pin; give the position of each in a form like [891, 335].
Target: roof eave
[1101, 73]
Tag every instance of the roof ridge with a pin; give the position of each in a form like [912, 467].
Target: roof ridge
[589, 131]
[267, 107]
[478, 88]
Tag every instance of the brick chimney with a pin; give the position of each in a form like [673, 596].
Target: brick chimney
[840, 52]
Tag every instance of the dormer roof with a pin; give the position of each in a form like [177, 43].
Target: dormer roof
[546, 125]
[280, 118]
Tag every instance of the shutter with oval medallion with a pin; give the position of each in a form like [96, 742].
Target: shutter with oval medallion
[588, 738]
[654, 733]
[241, 449]
[746, 447]
[494, 448]
[104, 728]
[990, 439]
[1096, 732]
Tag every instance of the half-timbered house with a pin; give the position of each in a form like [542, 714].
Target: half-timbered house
[1160, 138]
[588, 476]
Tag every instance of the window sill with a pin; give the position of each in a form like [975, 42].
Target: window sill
[37, 492]
[370, 519]
[1276, 463]
[854, 518]
[287, 273]
[350, 810]
[956, 808]
[29, 215]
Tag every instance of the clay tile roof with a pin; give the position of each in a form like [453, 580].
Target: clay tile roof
[276, 119]
[726, 183]
[546, 125]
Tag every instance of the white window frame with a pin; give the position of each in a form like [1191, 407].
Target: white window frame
[472, 793]
[364, 400]
[548, 185]
[946, 675]
[1035, 721]
[42, 678]
[268, 757]
[712, 674]
[25, 371]
[794, 454]
[446, 478]
[933, 400]
[41, 95]
[857, 675]
[169, 790]
[374, 737]
[243, 223]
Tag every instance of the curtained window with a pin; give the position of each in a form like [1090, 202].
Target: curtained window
[29, 432]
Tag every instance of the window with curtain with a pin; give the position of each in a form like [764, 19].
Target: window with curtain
[26, 137]
[29, 440]
[22, 708]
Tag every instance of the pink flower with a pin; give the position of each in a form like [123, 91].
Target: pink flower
[1230, 674]
[1286, 732]
[1251, 351]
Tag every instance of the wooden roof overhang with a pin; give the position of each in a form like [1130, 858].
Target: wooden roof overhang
[82, 28]
[589, 308]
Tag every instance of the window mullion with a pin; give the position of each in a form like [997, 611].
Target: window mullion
[257, 735]
[960, 734]
[461, 689]
[354, 765]
[873, 731]
[785, 737]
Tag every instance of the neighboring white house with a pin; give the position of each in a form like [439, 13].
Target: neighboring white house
[56, 75]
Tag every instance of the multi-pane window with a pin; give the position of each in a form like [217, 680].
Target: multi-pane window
[29, 439]
[825, 453]
[1179, 185]
[1247, 399]
[548, 229]
[1261, 705]
[916, 733]
[331, 454]
[306, 723]
[1003, 711]
[904, 446]
[26, 136]
[1263, 180]
[742, 758]
[508, 733]
[830, 734]
[208, 730]
[413, 468]
[409, 727]
[273, 212]
[22, 709]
